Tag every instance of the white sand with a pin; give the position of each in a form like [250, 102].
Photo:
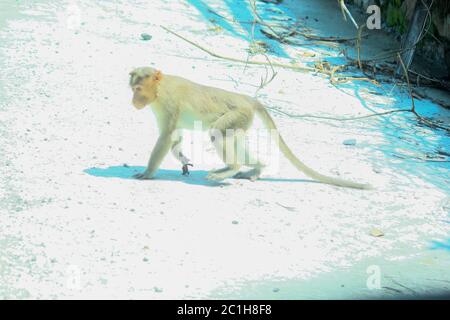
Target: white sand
[70, 231]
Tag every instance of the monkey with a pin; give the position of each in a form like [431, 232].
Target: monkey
[178, 102]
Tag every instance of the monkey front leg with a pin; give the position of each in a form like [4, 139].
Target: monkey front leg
[159, 152]
[177, 153]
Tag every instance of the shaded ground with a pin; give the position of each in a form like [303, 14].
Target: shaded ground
[72, 223]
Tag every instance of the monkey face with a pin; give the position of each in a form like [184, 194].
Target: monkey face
[139, 99]
[143, 84]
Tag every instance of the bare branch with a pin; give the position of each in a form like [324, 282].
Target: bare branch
[345, 10]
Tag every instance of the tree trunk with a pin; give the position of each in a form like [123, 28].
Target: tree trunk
[414, 33]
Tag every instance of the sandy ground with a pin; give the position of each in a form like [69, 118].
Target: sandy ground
[73, 224]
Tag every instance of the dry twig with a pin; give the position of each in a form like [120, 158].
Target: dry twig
[346, 11]
[260, 63]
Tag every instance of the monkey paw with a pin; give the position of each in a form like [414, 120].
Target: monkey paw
[219, 176]
[185, 169]
[251, 175]
[142, 176]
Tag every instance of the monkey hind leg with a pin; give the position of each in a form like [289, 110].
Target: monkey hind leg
[227, 151]
[252, 174]
[249, 161]
[227, 135]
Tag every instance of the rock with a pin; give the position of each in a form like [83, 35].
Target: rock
[349, 142]
[146, 37]
[376, 233]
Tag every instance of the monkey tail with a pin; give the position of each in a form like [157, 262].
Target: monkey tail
[270, 124]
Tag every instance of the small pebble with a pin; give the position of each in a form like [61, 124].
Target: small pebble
[146, 37]
[376, 232]
[349, 142]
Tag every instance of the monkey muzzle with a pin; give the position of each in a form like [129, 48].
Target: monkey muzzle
[139, 102]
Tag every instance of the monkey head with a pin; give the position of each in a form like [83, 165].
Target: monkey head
[144, 82]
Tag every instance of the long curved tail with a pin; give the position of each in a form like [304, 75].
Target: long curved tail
[270, 124]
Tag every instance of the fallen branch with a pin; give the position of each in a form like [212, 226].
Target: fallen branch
[260, 63]
[263, 23]
[272, 64]
[321, 70]
[336, 68]
[325, 68]
[387, 69]
[265, 81]
[358, 46]
[413, 106]
[345, 10]
[331, 39]
[300, 116]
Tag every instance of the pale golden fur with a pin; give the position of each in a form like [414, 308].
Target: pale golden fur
[177, 103]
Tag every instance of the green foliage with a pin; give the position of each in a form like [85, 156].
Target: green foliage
[395, 16]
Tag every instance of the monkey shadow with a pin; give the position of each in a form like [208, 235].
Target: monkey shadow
[196, 177]
[287, 180]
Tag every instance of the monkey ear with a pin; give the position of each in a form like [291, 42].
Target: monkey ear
[157, 75]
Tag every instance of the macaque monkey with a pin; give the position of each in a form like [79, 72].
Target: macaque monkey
[177, 103]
